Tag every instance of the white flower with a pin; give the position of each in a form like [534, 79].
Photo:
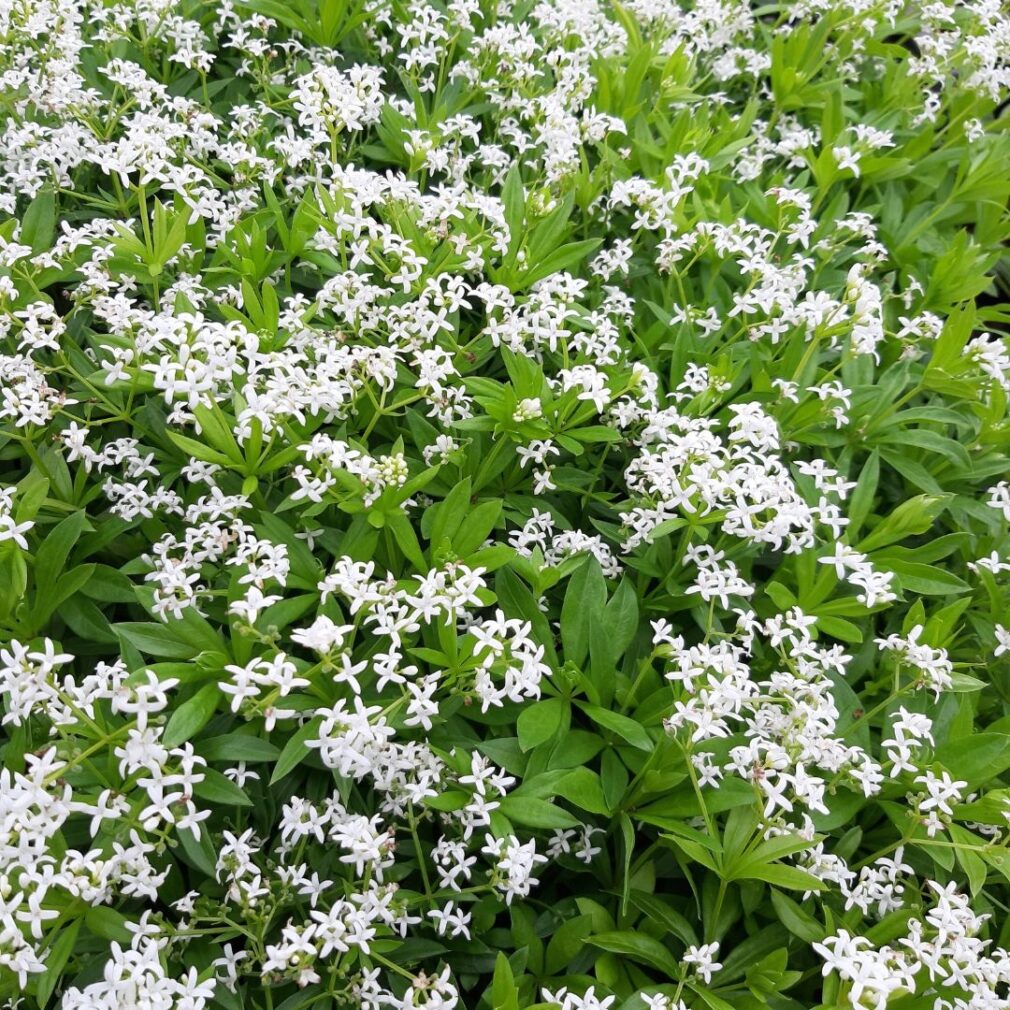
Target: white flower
[702, 960]
[1002, 640]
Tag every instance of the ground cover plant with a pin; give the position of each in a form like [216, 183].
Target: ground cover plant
[504, 505]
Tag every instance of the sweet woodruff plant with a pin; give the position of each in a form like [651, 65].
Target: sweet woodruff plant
[504, 504]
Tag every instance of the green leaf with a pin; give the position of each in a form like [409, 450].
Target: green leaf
[595, 433]
[778, 847]
[911, 517]
[504, 995]
[406, 539]
[561, 259]
[216, 429]
[839, 628]
[156, 640]
[533, 813]
[51, 557]
[199, 850]
[610, 637]
[56, 958]
[976, 758]
[108, 923]
[567, 943]
[448, 514]
[949, 346]
[584, 601]
[861, 502]
[583, 788]
[476, 527]
[967, 844]
[38, 226]
[927, 580]
[964, 684]
[295, 750]
[514, 201]
[659, 912]
[237, 747]
[83, 618]
[796, 919]
[549, 232]
[192, 715]
[790, 877]
[517, 601]
[197, 450]
[539, 722]
[66, 586]
[639, 947]
[220, 790]
[109, 585]
[13, 578]
[627, 851]
[627, 729]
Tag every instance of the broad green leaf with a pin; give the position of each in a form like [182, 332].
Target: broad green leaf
[641, 948]
[52, 555]
[157, 640]
[238, 747]
[584, 603]
[220, 790]
[192, 715]
[627, 729]
[38, 226]
[56, 959]
[659, 912]
[789, 877]
[539, 722]
[107, 923]
[533, 813]
[295, 750]
[503, 987]
[582, 787]
[975, 758]
[796, 918]
[914, 516]
[448, 514]
[476, 527]
[198, 850]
